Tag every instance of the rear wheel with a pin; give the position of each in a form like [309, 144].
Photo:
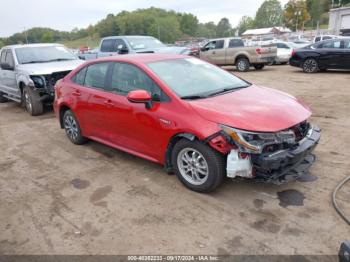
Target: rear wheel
[259, 66]
[32, 102]
[3, 99]
[242, 64]
[198, 166]
[72, 127]
[310, 65]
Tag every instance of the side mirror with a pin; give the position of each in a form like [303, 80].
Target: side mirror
[122, 50]
[203, 49]
[6, 66]
[140, 96]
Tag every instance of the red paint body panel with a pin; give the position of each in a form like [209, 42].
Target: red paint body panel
[255, 108]
[113, 120]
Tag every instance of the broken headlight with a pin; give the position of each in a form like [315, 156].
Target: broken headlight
[38, 81]
[253, 142]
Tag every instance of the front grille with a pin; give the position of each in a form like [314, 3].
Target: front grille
[50, 80]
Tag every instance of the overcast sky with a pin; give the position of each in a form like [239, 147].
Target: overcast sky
[15, 15]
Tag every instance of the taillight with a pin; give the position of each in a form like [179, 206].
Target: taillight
[258, 51]
[293, 52]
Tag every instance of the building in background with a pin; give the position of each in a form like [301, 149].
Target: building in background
[262, 34]
[339, 21]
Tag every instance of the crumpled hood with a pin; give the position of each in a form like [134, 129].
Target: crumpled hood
[255, 108]
[49, 68]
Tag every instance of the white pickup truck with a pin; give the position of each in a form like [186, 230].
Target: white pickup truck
[232, 51]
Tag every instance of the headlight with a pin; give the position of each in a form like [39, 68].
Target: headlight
[38, 81]
[251, 142]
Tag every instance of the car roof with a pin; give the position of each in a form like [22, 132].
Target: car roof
[127, 36]
[142, 58]
[30, 45]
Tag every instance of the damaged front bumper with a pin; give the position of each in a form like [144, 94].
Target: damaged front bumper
[277, 167]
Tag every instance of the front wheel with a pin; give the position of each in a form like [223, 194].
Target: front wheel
[72, 127]
[242, 64]
[32, 102]
[310, 65]
[198, 166]
[259, 66]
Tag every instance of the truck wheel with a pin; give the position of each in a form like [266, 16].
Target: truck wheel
[310, 65]
[72, 127]
[259, 66]
[242, 64]
[198, 166]
[2, 98]
[32, 102]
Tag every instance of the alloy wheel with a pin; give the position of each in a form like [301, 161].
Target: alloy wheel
[310, 66]
[192, 166]
[71, 127]
[28, 102]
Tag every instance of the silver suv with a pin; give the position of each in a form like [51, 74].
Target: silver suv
[28, 73]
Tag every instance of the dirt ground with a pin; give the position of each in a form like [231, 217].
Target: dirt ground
[58, 198]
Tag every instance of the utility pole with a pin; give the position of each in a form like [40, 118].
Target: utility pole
[25, 33]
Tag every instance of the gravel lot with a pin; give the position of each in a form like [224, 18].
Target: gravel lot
[57, 198]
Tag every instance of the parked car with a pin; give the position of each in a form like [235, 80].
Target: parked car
[232, 51]
[194, 118]
[133, 44]
[329, 54]
[28, 73]
[284, 52]
[320, 38]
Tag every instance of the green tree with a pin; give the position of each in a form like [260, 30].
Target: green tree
[207, 30]
[244, 24]
[188, 24]
[269, 14]
[224, 28]
[296, 14]
[47, 37]
[107, 26]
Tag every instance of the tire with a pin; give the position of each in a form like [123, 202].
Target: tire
[259, 66]
[72, 128]
[2, 98]
[242, 64]
[310, 65]
[190, 156]
[32, 102]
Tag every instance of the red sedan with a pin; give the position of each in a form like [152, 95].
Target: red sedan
[194, 118]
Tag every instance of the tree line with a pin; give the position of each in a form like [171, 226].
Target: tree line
[169, 26]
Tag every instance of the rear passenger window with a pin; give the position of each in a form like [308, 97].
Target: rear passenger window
[235, 43]
[108, 45]
[96, 75]
[126, 78]
[79, 78]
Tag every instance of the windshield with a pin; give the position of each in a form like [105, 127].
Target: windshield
[137, 43]
[191, 77]
[43, 54]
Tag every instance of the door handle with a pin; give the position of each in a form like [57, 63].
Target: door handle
[76, 93]
[108, 102]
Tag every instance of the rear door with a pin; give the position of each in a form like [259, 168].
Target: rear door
[331, 54]
[346, 53]
[215, 52]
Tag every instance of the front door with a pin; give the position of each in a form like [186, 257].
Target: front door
[214, 52]
[8, 79]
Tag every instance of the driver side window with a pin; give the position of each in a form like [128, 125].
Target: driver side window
[127, 77]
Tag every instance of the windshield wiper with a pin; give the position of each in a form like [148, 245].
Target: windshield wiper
[224, 90]
[33, 62]
[190, 97]
[59, 59]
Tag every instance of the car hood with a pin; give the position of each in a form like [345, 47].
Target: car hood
[254, 108]
[165, 50]
[49, 68]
